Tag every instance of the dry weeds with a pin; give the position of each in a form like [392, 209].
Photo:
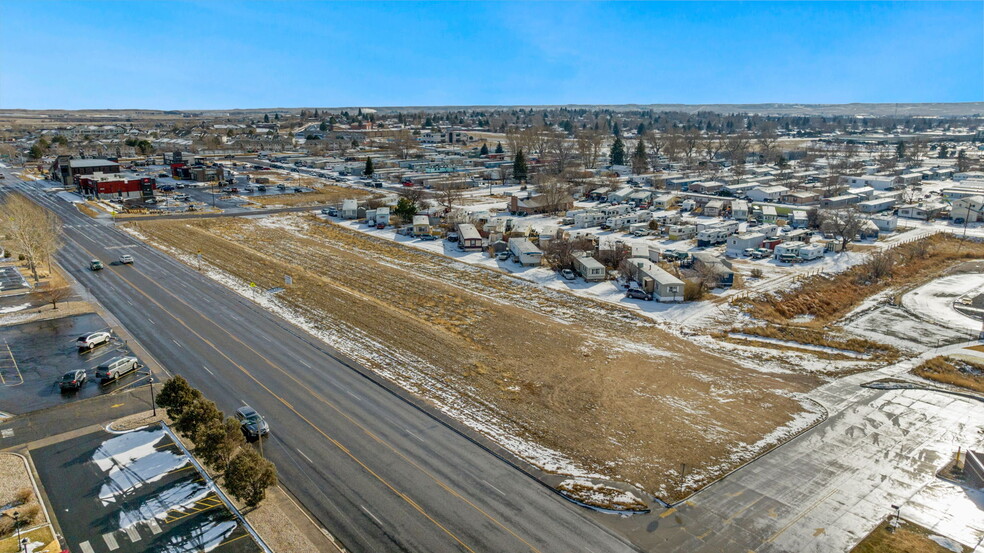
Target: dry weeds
[596, 382]
[907, 538]
[828, 297]
[957, 371]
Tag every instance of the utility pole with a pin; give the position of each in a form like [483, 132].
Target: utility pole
[153, 402]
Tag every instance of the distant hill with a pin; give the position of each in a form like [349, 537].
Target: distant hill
[871, 110]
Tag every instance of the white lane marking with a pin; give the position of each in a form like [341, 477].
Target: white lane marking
[154, 527]
[368, 512]
[407, 430]
[85, 547]
[357, 398]
[111, 542]
[176, 342]
[131, 532]
[208, 371]
[493, 487]
[305, 456]
[151, 321]
[305, 364]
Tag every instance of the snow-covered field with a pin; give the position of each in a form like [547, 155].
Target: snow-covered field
[935, 299]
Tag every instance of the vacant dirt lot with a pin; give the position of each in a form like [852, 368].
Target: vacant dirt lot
[606, 388]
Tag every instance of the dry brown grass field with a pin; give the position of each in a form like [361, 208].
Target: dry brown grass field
[961, 371]
[599, 384]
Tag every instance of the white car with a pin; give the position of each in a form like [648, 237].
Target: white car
[126, 259]
[92, 339]
[568, 274]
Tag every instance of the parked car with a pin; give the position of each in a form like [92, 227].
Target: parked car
[638, 294]
[92, 339]
[252, 423]
[568, 274]
[762, 253]
[182, 197]
[95, 265]
[503, 255]
[261, 188]
[748, 252]
[452, 237]
[281, 186]
[298, 189]
[72, 380]
[116, 367]
[380, 225]
[126, 259]
[428, 237]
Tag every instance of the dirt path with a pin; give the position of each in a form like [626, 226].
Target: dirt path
[601, 385]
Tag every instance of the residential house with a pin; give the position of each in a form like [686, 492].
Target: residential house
[970, 209]
[653, 279]
[767, 193]
[421, 225]
[738, 243]
[350, 209]
[714, 208]
[739, 210]
[840, 201]
[787, 251]
[665, 201]
[589, 268]
[800, 197]
[885, 222]
[468, 237]
[539, 203]
[923, 211]
[681, 232]
[878, 183]
[717, 266]
[876, 206]
[769, 215]
[525, 251]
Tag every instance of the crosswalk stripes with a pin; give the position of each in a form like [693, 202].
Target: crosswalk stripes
[154, 527]
[131, 532]
[111, 541]
[85, 547]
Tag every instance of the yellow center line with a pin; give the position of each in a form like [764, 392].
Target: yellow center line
[286, 404]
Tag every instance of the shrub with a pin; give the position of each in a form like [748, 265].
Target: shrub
[29, 514]
[693, 290]
[6, 526]
[24, 495]
[756, 273]
[21, 257]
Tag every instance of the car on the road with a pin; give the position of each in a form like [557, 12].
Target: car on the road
[298, 189]
[116, 367]
[568, 274]
[252, 423]
[261, 188]
[72, 380]
[182, 197]
[95, 265]
[163, 175]
[638, 294]
[281, 186]
[126, 259]
[92, 339]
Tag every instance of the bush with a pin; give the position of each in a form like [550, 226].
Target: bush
[6, 254]
[756, 273]
[248, 476]
[693, 290]
[21, 257]
[6, 526]
[24, 495]
[29, 514]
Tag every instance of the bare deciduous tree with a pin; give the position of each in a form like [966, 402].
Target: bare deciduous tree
[53, 295]
[590, 145]
[846, 222]
[447, 194]
[35, 231]
[403, 144]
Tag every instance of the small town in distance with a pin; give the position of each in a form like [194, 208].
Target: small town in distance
[497, 323]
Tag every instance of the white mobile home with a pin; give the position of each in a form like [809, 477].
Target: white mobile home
[525, 251]
[739, 210]
[589, 268]
[738, 243]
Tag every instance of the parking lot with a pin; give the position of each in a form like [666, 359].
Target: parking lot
[35, 355]
[135, 492]
[11, 280]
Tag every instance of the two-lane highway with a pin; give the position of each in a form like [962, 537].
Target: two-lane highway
[376, 471]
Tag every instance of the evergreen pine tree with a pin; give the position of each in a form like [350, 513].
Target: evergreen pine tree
[900, 150]
[615, 130]
[641, 130]
[617, 154]
[266, 117]
[640, 161]
[498, 148]
[368, 171]
[485, 150]
[275, 116]
[519, 166]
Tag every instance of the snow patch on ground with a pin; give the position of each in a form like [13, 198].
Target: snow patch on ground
[132, 460]
[935, 299]
[15, 308]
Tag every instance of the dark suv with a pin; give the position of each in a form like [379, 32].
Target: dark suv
[252, 423]
[638, 294]
[72, 380]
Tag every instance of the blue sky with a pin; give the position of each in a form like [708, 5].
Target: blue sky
[216, 55]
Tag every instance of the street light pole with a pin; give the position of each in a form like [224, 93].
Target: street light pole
[153, 401]
[17, 528]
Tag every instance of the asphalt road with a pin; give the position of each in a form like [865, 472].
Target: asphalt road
[377, 472]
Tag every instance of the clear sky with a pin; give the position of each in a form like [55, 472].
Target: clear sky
[217, 55]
